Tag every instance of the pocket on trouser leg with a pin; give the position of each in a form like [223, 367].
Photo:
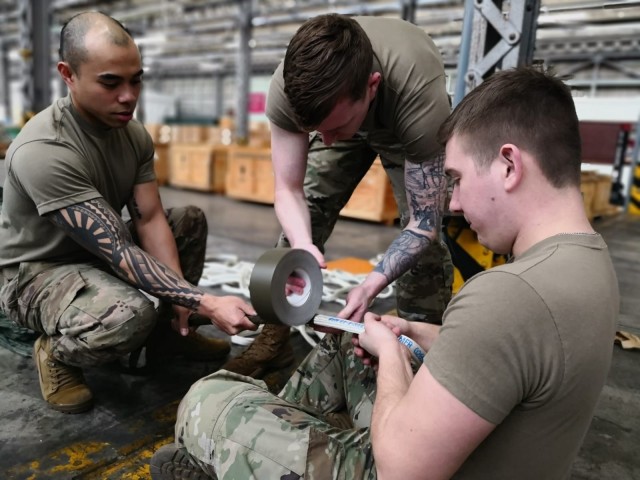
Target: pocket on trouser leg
[122, 330]
[106, 320]
[43, 301]
[350, 458]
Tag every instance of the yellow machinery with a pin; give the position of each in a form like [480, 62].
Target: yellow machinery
[634, 195]
[469, 257]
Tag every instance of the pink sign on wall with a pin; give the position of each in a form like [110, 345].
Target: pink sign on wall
[257, 102]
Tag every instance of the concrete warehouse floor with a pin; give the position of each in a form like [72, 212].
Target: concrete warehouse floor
[134, 415]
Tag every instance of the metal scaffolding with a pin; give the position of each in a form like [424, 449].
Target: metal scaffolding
[498, 34]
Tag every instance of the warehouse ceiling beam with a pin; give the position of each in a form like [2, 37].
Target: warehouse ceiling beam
[596, 5]
[595, 84]
[597, 64]
[628, 72]
[175, 33]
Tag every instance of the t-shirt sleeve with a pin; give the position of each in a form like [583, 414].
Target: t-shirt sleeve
[146, 170]
[278, 109]
[54, 181]
[418, 118]
[498, 347]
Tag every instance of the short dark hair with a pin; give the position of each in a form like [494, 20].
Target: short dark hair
[330, 57]
[72, 48]
[525, 106]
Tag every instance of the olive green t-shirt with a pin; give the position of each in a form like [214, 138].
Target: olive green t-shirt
[58, 160]
[527, 346]
[411, 101]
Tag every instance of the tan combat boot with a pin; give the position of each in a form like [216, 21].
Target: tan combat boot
[270, 350]
[62, 386]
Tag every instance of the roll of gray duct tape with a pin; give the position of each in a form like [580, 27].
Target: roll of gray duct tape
[268, 283]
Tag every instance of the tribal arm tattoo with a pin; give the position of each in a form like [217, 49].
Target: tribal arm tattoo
[426, 188]
[97, 228]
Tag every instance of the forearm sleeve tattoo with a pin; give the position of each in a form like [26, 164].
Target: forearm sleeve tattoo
[96, 227]
[426, 188]
[402, 254]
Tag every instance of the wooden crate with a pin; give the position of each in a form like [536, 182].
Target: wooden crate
[218, 136]
[188, 134]
[161, 163]
[160, 133]
[588, 189]
[154, 131]
[602, 195]
[250, 174]
[373, 198]
[240, 179]
[198, 166]
[259, 135]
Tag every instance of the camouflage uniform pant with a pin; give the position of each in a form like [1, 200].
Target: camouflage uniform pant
[92, 316]
[233, 427]
[332, 175]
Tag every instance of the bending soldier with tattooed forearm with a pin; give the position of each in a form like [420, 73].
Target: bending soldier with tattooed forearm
[70, 267]
[350, 90]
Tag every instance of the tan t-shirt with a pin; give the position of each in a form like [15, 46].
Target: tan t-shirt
[527, 346]
[59, 160]
[411, 101]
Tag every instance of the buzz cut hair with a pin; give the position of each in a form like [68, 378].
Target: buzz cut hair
[72, 36]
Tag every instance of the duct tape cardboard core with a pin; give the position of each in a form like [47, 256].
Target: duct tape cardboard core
[267, 286]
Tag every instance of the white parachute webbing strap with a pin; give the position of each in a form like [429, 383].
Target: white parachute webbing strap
[232, 276]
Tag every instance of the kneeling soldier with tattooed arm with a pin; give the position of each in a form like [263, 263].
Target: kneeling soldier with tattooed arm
[70, 267]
